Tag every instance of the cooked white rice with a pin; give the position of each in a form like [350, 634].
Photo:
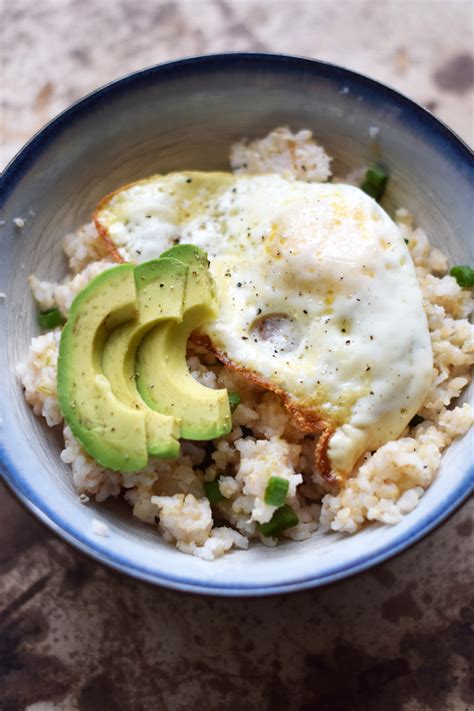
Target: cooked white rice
[385, 486]
[48, 294]
[293, 155]
[99, 528]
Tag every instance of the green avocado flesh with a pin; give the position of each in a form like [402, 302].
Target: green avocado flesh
[123, 383]
[109, 430]
[163, 378]
[160, 286]
[190, 255]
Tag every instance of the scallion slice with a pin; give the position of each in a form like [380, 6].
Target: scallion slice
[234, 401]
[212, 491]
[375, 182]
[464, 275]
[50, 318]
[282, 519]
[276, 491]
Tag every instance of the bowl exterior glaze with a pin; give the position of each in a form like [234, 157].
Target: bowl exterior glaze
[185, 115]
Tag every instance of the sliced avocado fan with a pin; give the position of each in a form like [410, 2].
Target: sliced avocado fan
[123, 383]
[160, 286]
[163, 378]
[109, 430]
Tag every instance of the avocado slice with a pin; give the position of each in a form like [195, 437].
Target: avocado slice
[190, 255]
[160, 286]
[163, 378]
[108, 429]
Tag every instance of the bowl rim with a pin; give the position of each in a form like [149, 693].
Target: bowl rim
[20, 162]
[26, 156]
[125, 566]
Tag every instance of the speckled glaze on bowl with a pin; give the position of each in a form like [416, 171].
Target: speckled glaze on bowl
[184, 115]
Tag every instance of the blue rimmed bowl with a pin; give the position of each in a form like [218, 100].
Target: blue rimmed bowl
[185, 115]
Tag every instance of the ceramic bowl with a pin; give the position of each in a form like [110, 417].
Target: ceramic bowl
[185, 115]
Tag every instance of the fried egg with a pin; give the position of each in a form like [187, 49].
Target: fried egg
[318, 296]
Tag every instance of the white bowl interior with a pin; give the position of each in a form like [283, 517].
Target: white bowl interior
[181, 117]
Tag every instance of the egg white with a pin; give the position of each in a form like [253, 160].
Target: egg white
[317, 292]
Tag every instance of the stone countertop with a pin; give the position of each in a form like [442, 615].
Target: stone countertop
[78, 637]
[55, 51]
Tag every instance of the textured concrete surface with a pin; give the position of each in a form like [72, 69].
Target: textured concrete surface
[75, 636]
[57, 50]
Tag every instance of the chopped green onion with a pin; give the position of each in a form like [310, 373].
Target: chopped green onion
[282, 519]
[276, 491]
[234, 401]
[416, 420]
[50, 318]
[407, 241]
[212, 491]
[375, 182]
[464, 275]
